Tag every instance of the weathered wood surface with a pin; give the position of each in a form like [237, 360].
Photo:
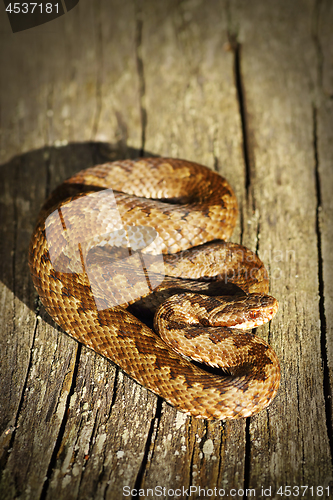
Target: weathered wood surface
[245, 87]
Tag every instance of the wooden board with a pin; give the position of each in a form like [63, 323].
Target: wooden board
[245, 88]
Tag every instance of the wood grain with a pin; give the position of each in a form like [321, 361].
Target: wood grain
[243, 87]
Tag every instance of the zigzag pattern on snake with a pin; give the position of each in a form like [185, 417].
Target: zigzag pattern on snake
[150, 235]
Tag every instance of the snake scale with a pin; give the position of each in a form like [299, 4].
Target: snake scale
[151, 234]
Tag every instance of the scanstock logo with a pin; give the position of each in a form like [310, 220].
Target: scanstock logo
[123, 263]
[25, 15]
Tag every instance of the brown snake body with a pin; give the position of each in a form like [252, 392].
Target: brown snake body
[103, 221]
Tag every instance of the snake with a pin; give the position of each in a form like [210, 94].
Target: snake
[131, 258]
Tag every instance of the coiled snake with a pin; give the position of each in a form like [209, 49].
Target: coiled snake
[148, 231]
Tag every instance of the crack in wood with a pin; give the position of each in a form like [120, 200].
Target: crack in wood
[258, 236]
[141, 77]
[239, 84]
[100, 59]
[321, 291]
[5, 455]
[215, 150]
[247, 458]
[221, 451]
[192, 460]
[61, 433]
[114, 393]
[151, 436]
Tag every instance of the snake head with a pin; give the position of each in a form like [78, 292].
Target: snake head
[244, 312]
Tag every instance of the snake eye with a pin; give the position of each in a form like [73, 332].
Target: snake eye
[254, 314]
